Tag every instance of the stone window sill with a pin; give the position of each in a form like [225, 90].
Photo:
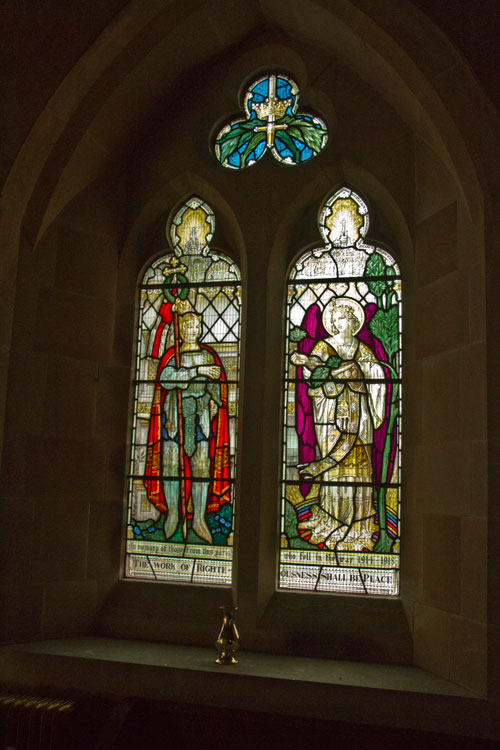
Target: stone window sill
[385, 695]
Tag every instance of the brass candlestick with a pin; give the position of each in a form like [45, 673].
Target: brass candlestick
[229, 640]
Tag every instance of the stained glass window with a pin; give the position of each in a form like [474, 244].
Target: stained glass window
[183, 452]
[272, 123]
[341, 413]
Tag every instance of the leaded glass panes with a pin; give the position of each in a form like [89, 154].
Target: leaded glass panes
[183, 453]
[272, 123]
[341, 411]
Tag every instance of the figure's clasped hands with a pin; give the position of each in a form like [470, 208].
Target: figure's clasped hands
[299, 359]
[210, 371]
[309, 361]
[310, 470]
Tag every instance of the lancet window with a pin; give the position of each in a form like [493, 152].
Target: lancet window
[340, 494]
[183, 447]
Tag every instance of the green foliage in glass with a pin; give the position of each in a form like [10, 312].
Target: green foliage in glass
[384, 325]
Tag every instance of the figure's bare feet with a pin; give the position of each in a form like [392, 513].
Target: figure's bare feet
[171, 523]
[323, 527]
[201, 529]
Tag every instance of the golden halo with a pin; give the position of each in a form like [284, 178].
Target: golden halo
[354, 306]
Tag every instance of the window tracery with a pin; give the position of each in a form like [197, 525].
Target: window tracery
[272, 123]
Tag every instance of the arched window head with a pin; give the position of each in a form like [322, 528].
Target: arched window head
[272, 123]
[341, 447]
[183, 448]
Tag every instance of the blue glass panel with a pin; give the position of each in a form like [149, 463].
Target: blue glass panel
[270, 107]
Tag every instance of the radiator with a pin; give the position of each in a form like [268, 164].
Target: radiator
[35, 723]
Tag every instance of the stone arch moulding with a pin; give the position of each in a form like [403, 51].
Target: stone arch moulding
[97, 74]
[94, 75]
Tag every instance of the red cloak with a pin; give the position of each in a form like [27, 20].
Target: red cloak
[220, 489]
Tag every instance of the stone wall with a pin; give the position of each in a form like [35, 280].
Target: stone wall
[125, 139]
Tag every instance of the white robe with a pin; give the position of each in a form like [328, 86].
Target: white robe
[346, 411]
